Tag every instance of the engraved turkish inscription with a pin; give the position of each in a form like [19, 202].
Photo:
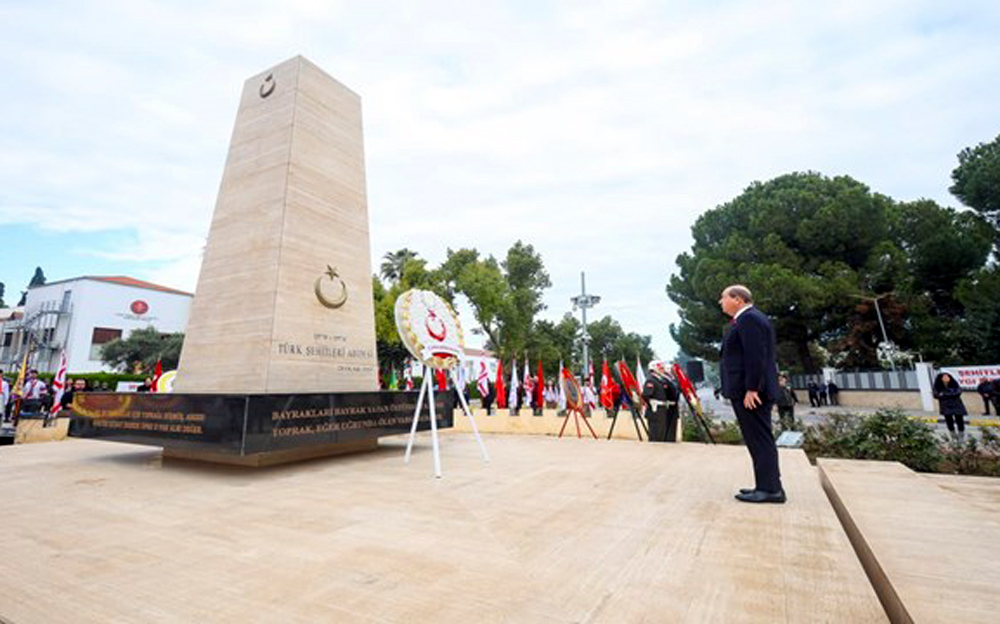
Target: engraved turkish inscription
[316, 350]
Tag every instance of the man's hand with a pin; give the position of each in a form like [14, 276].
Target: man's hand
[751, 400]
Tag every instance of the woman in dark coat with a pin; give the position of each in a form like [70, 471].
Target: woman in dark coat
[949, 396]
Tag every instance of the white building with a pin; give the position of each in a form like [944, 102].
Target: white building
[82, 314]
[471, 364]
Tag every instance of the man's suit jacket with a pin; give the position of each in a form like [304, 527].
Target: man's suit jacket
[748, 358]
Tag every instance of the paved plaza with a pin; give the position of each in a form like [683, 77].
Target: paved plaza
[550, 531]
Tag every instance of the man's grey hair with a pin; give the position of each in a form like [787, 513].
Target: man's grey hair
[741, 292]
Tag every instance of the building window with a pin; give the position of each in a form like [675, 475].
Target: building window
[8, 339]
[102, 336]
[47, 335]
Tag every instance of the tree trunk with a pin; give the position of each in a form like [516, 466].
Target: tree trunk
[805, 357]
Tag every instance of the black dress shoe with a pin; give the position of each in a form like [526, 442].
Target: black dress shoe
[760, 496]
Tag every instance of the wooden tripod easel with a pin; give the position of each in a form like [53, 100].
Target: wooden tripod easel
[636, 420]
[577, 415]
[574, 405]
[429, 384]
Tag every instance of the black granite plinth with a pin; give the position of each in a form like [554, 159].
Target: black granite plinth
[243, 425]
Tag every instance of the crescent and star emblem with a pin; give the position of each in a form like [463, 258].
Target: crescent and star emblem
[332, 276]
[267, 87]
[435, 326]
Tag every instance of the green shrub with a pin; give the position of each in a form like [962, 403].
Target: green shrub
[886, 435]
[974, 457]
[723, 432]
[111, 379]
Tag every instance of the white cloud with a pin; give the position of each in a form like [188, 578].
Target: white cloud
[598, 131]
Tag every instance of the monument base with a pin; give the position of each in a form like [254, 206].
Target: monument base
[252, 430]
[261, 460]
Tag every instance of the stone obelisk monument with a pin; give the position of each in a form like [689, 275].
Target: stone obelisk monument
[284, 298]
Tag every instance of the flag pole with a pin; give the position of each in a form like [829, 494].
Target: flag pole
[472, 419]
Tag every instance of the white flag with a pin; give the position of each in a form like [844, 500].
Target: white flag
[512, 392]
[640, 374]
[589, 398]
[561, 398]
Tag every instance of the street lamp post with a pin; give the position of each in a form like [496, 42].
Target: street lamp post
[584, 301]
[885, 336]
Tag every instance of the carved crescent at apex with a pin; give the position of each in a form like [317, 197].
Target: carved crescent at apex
[267, 86]
[330, 273]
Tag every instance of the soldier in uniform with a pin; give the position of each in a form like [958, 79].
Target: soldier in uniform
[661, 394]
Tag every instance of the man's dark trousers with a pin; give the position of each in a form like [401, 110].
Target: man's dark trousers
[756, 428]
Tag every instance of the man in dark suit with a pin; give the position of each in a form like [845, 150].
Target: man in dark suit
[750, 380]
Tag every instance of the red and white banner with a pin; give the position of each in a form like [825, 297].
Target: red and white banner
[483, 381]
[408, 373]
[969, 377]
[59, 386]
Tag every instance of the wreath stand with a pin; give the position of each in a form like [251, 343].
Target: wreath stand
[574, 405]
[636, 420]
[428, 386]
[577, 415]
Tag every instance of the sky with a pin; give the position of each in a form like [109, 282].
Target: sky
[596, 131]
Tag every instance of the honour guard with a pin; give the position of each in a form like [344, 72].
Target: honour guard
[661, 394]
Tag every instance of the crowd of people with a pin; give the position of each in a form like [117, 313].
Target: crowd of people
[660, 395]
[825, 393]
[37, 399]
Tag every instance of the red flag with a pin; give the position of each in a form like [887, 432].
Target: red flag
[632, 388]
[628, 378]
[607, 392]
[500, 388]
[540, 387]
[687, 388]
[442, 380]
[157, 373]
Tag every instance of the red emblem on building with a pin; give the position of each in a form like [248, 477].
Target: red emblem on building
[139, 307]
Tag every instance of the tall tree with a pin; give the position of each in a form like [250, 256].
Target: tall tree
[609, 340]
[142, 349]
[978, 338]
[977, 180]
[942, 248]
[412, 273]
[38, 279]
[504, 296]
[799, 242]
[393, 262]
[526, 278]
[3, 289]
[554, 342]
